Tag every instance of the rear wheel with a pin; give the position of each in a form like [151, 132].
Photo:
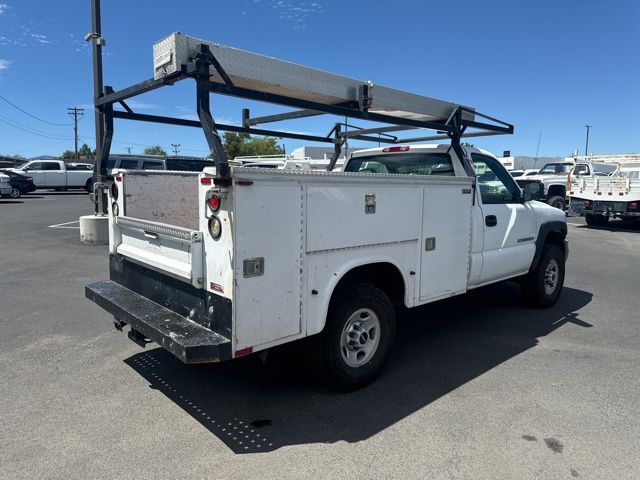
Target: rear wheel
[557, 201]
[360, 330]
[542, 286]
[596, 220]
[89, 185]
[15, 193]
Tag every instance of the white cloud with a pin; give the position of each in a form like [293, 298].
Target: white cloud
[3, 7]
[40, 38]
[4, 64]
[136, 104]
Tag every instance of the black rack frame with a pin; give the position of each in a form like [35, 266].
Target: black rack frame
[453, 128]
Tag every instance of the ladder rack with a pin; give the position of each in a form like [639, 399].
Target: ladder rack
[229, 71]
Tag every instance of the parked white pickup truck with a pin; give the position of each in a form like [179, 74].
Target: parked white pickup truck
[281, 255]
[55, 174]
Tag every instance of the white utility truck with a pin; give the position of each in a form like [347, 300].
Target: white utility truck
[601, 197]
[55, 174]
[235, 260]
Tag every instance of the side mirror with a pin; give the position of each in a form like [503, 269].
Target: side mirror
[532, 191]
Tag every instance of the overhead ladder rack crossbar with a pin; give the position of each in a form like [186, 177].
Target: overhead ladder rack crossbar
[229, 71]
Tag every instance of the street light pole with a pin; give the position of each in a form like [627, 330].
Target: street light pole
[95, 36]
[586, 147]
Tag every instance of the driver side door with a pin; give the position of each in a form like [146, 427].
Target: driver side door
[37, 172]
[509, 225]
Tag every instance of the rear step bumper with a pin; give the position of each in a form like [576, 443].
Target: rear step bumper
[187, 340]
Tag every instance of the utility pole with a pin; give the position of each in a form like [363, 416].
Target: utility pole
[175, 147]
[128, 149]
[586, 147]
[75, 113]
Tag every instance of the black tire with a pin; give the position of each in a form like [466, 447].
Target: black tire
[15, 193]
[89, 185]
[596, 220]
[328, 359]
[557, 201]
[537, 292]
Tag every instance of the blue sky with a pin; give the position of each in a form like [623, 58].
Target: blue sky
[545, 66]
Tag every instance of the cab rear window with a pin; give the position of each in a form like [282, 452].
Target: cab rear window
[403, 164]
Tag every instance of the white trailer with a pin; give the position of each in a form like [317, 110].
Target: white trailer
[235, 260]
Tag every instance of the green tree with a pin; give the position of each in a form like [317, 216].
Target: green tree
[241, 144]
[155, 150]
[85, 151]
[68, 155]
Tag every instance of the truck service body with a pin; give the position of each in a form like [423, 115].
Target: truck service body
[235, 260]
[599, 198]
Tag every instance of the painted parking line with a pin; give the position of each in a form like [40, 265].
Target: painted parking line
[65, 225]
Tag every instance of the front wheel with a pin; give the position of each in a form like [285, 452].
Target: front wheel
[351, 350]
[596, 220]
[542, 286]
[15, 193]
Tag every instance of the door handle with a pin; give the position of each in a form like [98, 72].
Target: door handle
[490, 221]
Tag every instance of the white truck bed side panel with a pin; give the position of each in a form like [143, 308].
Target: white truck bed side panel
[78, 178]
[336, 215]
[325, 269]
[268, 225]
[447, 220]
[170, 198]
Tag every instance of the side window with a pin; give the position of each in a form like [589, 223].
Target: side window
[494, 182]
[151, 165]
[52, 166]
[582, 169]
[129, 164]
[38, 166]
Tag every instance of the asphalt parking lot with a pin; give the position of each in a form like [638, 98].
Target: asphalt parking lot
[478, 386]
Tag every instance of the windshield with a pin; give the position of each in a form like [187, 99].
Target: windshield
[556, 168]
[403, 164]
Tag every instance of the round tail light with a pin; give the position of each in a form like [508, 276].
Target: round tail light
[214, 202]
[114, 191]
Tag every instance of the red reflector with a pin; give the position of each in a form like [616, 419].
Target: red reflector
[214, 202]
[244, 183]
[118, 179]
[610, 193]
[206, 181]
[396, 149]
[114, 191]
[570, 193]
[244, 351]
[620, 193]
[216, 287]
[633, 206]
[599, 193]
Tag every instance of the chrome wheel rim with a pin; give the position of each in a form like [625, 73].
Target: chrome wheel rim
[15, 193]
[360, 337]
[551, 277]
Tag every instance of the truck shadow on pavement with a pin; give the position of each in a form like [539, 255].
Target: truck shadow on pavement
[253, 407]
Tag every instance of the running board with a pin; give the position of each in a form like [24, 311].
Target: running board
[187, 340]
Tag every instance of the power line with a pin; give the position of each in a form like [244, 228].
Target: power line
[33, 116]
[34, 133]
[176, 149]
